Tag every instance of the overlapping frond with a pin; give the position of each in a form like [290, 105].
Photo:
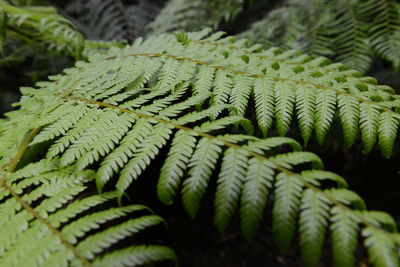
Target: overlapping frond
[191, 97]
[43, 25]
[347, 31]
[111, 20]
[181, 15]
[50, 218]
[350, 42]
[100, 20]
[301, 25]
[384, 33]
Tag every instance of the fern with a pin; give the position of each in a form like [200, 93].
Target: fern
[118, 111]
[111, 20]
[180, 15]
[385, 29]
[49, 213]
[352, 45]
[303, 25]
[339, 29]
[42, 25]
[100, 20]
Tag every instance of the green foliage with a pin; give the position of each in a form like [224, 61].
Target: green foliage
[284, 87]
[351, 32]
[181, 15]
[111, 20]
[112, 116]
[42, 25]
[50, 218]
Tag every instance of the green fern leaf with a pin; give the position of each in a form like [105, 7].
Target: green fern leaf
[369, 125]
[305, 105]
[90, 246]
[183, 15]
[385, 29]
[204, 79]
[61, 198]
[274, 143]
[257, 184]
[313, 221]
[286, 207]
[381, 249]
[349, 115]
[175, 165]
[351, 43]
[265, 105]
[315, 176]
[230, 181]
[142, 158]
[44, 25]
[241, 93]
[222, 87]
[169, 73]
[344, 237]
[201, 165]
[120, 156]
[295, 158]
[284, 99]
[324, 113]
[388, 126]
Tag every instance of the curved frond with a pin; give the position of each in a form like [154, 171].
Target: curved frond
[50, 218]
[119, 112]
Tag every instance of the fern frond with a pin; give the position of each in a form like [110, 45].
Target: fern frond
[128, 120]
[286, 207]
[111, 20]
[180, 15]
[385, 29]
[324, 113]
[61, 199]
[349, 117]
[265, 105]
[387, 133]
[284, 99]
[368, 124]
[312, 223]
[344, 237]
[175, 165]
[305, 105]
[351, 32]
[230, 181]
[257, 184]
[201, 165]
[380, 249]
[352, 47]
[44, 25]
